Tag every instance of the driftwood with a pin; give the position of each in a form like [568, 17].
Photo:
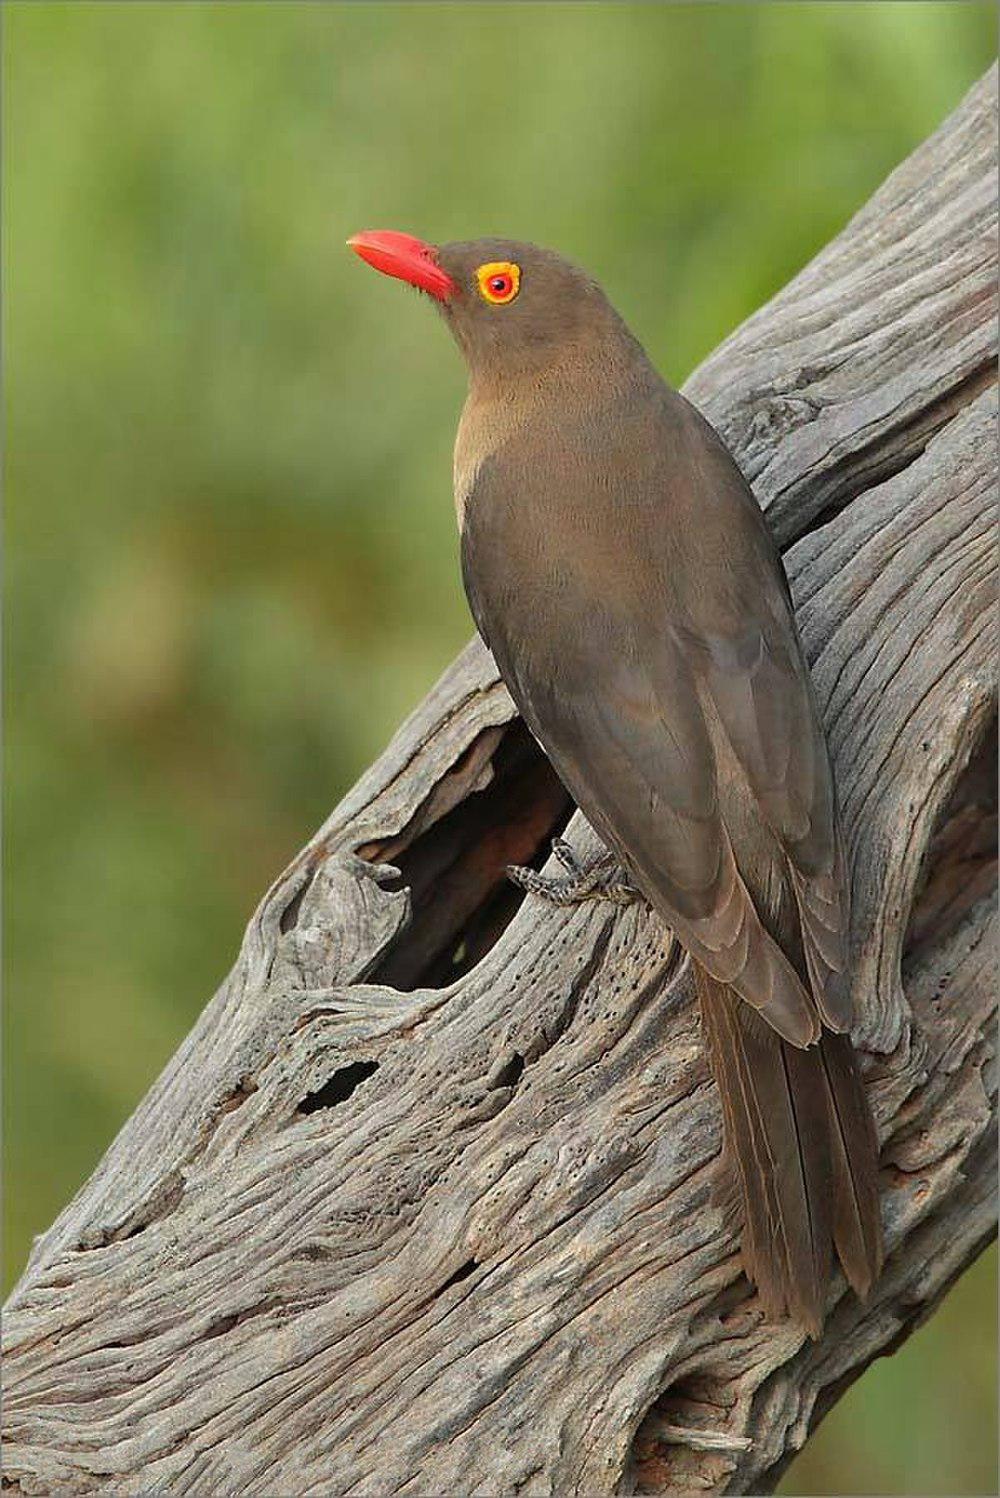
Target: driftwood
[422, 1204]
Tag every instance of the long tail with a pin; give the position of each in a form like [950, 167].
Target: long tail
[800, 1156]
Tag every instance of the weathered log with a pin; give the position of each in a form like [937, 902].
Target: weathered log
[423, 1203]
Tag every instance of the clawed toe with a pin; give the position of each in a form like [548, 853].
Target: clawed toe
[603, 879]
[566, 855]
[560, 889]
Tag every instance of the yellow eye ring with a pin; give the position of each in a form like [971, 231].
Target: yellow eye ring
[499, 281]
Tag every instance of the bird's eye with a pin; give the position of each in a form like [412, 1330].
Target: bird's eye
[499, 282]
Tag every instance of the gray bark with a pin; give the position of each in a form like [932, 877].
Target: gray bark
[423, 1203]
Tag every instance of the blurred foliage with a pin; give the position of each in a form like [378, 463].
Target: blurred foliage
[231, 566]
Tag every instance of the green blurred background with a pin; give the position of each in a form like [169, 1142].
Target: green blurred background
[231, 566]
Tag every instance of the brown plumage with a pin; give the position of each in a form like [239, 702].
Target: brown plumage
[622, 574]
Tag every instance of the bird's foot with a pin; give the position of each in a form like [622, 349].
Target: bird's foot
[602, 879]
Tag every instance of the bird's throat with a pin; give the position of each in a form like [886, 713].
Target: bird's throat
[488, 422]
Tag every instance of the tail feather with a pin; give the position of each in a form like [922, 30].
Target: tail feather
[801, 1147]
[857, 1225]
[748, 1158]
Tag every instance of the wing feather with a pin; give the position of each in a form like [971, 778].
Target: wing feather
[632, 664]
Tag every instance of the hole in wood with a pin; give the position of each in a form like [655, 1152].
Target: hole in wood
[338, 1088]
[684, 1434]
[461, 1273]
[960, 866]
[509, 1074]
[290, 914]
[456, 868]
[243, 1090]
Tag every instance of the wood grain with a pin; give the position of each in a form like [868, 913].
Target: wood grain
[423, 1202]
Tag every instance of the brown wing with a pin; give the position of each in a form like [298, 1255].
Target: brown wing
[635, 753]
[758, 683]
[629, 661]
[743, 645]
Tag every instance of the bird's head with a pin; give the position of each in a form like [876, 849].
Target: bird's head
[514, 309]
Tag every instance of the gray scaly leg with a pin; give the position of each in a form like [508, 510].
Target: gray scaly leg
[602, 879]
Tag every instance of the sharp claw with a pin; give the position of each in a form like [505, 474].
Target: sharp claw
[565, 854]
[622, 893]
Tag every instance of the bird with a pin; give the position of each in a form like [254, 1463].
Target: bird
[623, 575]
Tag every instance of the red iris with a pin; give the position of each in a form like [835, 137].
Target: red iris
[498, 281]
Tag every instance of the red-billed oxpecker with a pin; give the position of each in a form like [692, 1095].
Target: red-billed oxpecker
[623, 576]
